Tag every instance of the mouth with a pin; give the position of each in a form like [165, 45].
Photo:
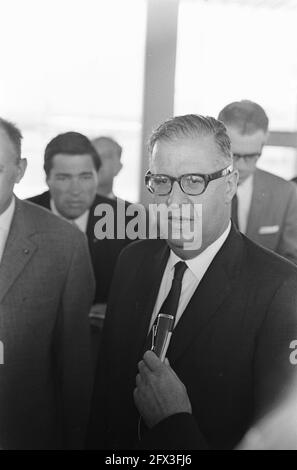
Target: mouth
[74, 203]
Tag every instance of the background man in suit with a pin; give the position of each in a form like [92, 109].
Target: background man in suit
[235, 308]
[110, 155]
[71, 164]
[266, 204]
[46, 290]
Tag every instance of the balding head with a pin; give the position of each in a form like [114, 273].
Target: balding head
[246, 116]
[247, 127]
[107, 146]
[110, 153]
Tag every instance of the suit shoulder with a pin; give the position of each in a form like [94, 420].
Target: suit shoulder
[99, 199]
[264, 263]
[273, 181]
[39, 199]
[44, 220]
[141, 248]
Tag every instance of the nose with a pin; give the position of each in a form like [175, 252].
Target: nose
[177, 196]
[75, 186]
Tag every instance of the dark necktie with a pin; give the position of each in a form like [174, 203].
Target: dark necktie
[170, 304]
[169, 307]
[234, 210]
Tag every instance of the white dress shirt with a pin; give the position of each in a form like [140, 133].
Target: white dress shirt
[81, 222]
[197, 267]
[244, 195]
[5, 223]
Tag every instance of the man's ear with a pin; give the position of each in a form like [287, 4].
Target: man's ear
[47, 177]
[231, 188]
[22, 165]
[266, 137]
[264, 141]
[117, 167]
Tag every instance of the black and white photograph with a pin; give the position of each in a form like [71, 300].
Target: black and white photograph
[148, 227]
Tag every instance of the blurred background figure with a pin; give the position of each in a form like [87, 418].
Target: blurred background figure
[110, 153]
[71, 164]
[277, 431]
[265, 206]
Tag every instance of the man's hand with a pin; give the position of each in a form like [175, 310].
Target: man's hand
[159, 393]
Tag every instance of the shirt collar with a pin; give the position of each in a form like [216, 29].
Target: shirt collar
[80, 221]
[6, 217]
[202, 261]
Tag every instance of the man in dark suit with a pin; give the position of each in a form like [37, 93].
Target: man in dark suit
[71, 164]
[234, 306]
[266, 209]
[46, 290]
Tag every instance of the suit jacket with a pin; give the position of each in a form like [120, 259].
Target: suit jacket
[230, 347]
[272, 220]
[46, 289]
[104, 253]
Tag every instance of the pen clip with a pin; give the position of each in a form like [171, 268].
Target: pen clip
[154, 333]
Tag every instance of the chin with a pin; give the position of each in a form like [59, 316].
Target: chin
[72, 215]
[178, 243]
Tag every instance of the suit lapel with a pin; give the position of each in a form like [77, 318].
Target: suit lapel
[256, 210]
[18, 251]
[212, 291]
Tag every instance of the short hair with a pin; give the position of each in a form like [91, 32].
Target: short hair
[105, 141]
[193, 125]
[14, 134]
[69, 143]
[246, 116]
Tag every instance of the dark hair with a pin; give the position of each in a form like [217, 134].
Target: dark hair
[246, 116]
[14, 135]
[191, 125]
[70, 143]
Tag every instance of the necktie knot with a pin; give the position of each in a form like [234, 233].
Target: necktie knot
[179, 270]
[170, 304]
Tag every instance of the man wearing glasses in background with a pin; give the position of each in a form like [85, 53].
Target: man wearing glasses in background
[229, 305]
[265, 208]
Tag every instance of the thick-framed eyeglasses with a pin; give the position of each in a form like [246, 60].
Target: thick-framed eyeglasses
[191, 184]
[247, 157]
